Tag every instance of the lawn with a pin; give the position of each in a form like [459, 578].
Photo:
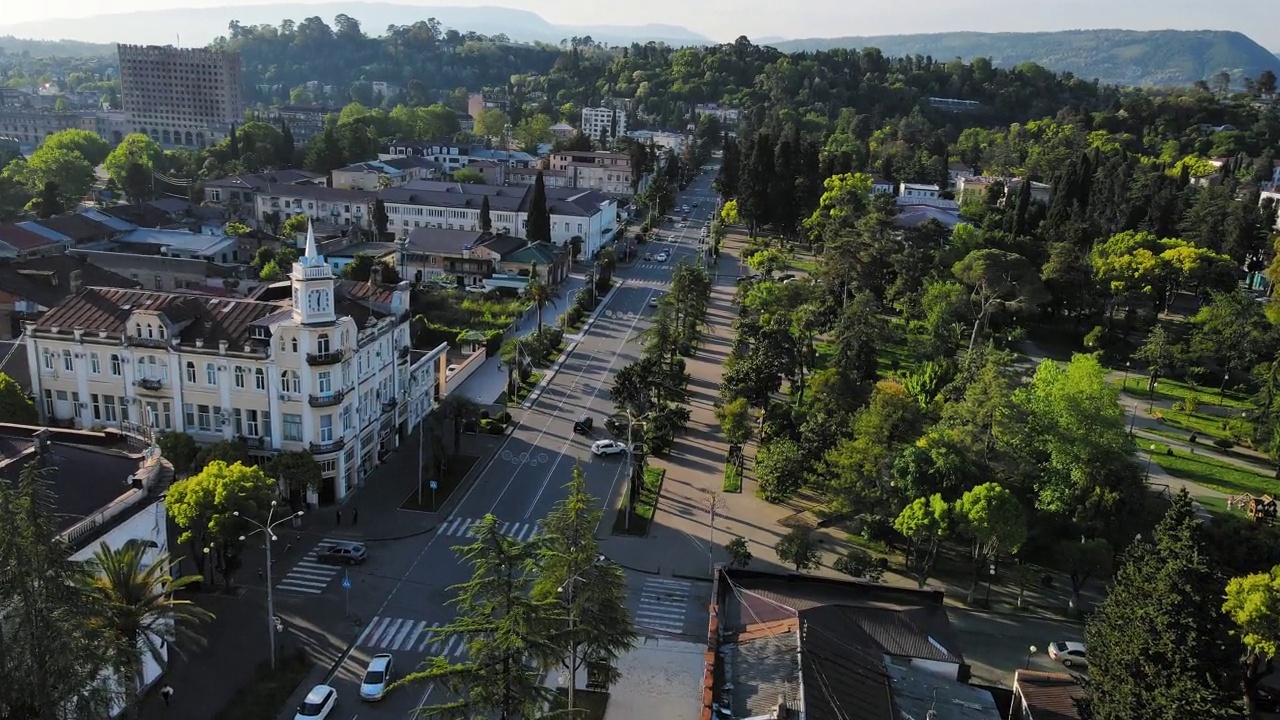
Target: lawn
[527, 387]
[269, 689]
[646, 503]
[1169, 390]
[1207, 471]
[432, 501]
[732, 478]
[468, 310]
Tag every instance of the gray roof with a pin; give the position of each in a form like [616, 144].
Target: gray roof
[47, 280]
[321, 192]
[917, 691]
[261, 181]
[442, 241]
[572, 202]
[376, 249]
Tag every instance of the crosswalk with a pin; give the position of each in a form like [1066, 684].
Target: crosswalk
[466, 527]
[388, 634]
[663, 604]
[310, 576]
[653, 266]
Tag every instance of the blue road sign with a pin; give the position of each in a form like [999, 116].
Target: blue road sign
[346, 582]
[434, 485]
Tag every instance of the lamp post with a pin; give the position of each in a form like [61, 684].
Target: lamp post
[208, 551]
[568, 305]
[1030, 651]
[566, 588]
[1151, 397]
[1146, 476]
[268, 531]
[1124, 384]
[991, 578]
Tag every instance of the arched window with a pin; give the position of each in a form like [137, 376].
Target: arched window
[259, 379]
[322, 344]
[165, 137]
[161, 330]
[188, 141]
[116, 369]
[290, 381]
[137, 329]
[151, 330]
[294, 343]
[191, 371]
[210, 374]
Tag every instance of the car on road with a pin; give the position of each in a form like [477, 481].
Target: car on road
[684, 208]
[695, 204]
[318, 704]
[376, 678]
[608, 447]
[648, 257]
[684, 217]
[1069, 654]
[681, 226]
[662, 257]
[477, 289]
[653, 301]
[583, 425]
[345, 553]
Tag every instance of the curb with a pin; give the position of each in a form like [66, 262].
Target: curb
[691, 576]
[550, 374]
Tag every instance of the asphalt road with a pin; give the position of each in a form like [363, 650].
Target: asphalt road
[403, 591]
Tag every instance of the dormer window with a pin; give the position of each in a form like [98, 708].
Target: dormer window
[161, 331]
[137, 329]
[151, 330]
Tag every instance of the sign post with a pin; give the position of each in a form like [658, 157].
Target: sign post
[346, 589]
[434, 485]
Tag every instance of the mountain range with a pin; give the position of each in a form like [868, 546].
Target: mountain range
[1127, 57]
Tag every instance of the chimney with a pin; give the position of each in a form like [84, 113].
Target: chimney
[375, 274]
[76, 280]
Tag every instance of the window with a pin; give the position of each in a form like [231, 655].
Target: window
[48, 402]
[322, 344]
[251, 423]
[160, 330]
[325, 382]
[109, 408]
[75, 405]
[116, 369]
[237, 421]
[189, 416]
[210, 374]
[293, 344]
[124, 408]
[266, 423]
[346, 418]
[48, 360]
[67, 363]
[326, 428]
[137, 327]
[290, 381]
[346, 374]
[292, 427]
[159, 280]
[168, 416]
[204, 419]
[239, 376]
[259, 379]
[95, 363]
[191, 372]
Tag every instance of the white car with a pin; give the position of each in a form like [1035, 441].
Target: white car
[376, 678]
[318, 704]
[477, 289]
[661, 257]
[607, 447]
[682, 226]
[1068, 653]
[653, 301]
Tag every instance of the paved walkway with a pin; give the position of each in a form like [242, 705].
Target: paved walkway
[487, 384]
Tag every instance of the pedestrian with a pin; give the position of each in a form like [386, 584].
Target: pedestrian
[166, 694]
[355, 515]
[339, 517]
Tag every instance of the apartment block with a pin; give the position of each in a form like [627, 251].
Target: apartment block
[180, 96]
[607, 122]
[606, 172]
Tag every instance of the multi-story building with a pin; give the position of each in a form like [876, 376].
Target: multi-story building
[328, 368]
[607, 172]
[452, 156]
[30, 126]
[478, 102]
[305, 121]
[322, 204]
[590, 216]
[529, 176]
[466, 258]
[609, 123]
[377, 174]
[180, 96]
[977, 186]
[674, 142]
[726, 115]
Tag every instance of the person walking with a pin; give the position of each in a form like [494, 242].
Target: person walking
[166, 694]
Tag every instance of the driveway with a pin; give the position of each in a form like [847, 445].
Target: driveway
[995, 645]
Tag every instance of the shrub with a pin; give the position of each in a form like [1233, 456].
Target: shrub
[1224, 443]
[1094, 337]
[1191, 403]
[504, 417]
[858, 563]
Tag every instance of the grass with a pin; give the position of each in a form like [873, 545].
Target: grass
[432, 501]
[642, 510]
[732, 478]
[809, 266]
[587, 704]
[1169, 390]
[460, 309]
[553, 355]
[527, 387]
[269, 690]
[1207, 471]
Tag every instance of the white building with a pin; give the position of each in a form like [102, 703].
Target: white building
[612, 122]
[914, 192]
[329, 370]
[322, 204]
[452, 157]
[590, 215]
[672, 141]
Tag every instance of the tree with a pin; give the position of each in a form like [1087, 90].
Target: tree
[769, 261]
[15, 405]
[735, 420]
[491, 122]
[205, 507]
[232, 451]
[50, 203]
[135, 596]
[925, 523]
[781, 467]
[361, 269]
[71, 174]
[858, 563]
[460, 410]
[179, 449]
[469, 176]
[1000, 280]
[538, 225]
[325, 152]
[138, 149]
[739, 552]
[800, 549]
[1160, 353]
[991, 517]
[540, 294]
[486, 219]
[236, 229]
[87, 145]
[380, 218]
[137, 183]
[296, 472]
[1163, 612]
[1230, 330]
[294, 226]
[596, 625]
[55, 647]
[1082, 560]
[1253, 604]
[534, 131]
[500, 626]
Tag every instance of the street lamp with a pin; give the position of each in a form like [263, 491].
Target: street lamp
[268, 531]
[1151, 397]
[1030, 651]
[991, 578]
[1124, 384]
[1146, 476]
[568, 585]
[568, 306]
[208, 551]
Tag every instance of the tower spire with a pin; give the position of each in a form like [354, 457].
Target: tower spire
[310, 252]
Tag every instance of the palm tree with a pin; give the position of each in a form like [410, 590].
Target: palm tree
[459, 410]
[540, 294]
[134, 598]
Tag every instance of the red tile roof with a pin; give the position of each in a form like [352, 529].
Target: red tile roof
[22, 239]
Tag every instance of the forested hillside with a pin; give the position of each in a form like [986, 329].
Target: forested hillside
[1126, 57]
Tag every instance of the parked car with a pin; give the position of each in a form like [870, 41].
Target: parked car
[1068, 653]
[583, 425]
[662, 257]
[696, 204]
[477, 289]
[318, 704]
[648, 257]
[345, 553]
[785, 277]
[608, 447]
[653, 301]
[376, 678]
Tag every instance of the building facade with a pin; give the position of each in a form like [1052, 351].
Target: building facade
[322, 204]
[326, 370]
[607, 122]
[180, 96]
[606, 172]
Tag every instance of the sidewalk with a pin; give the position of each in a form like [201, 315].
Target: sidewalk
[487, 384]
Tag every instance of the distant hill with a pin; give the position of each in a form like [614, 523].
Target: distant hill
[1127, 57]
[198, 26]
[55, 48]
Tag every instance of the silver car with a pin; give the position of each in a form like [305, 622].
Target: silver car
[376, 678]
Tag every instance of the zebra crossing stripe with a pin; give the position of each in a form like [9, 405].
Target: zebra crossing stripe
[427, 637]
[377, 622]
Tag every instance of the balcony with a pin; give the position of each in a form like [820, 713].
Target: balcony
[326, 400]
[255, 443]
[388, 405]
[403, 352]
[146, 342]
[333, 357]
[149, 384]
[327, 447]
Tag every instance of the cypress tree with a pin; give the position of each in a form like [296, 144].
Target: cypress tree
[50, 201]
[233, 143]
[285, 152]
[486, 221]
[539, 219]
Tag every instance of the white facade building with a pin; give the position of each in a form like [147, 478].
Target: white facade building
[674, 142]
[611, 121]
[328, 205]
[330, 371]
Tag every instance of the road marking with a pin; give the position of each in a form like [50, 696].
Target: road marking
[663, 605]
[309, 576]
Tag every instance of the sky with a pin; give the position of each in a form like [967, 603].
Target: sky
[724, 20]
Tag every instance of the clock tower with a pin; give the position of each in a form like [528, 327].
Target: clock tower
[313, 286]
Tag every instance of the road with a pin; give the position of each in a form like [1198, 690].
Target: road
[403, 591]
